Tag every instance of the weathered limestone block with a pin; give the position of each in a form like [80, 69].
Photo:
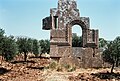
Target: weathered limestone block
[86, 20]
[58, 35]
[67, 57]
[86, 58]
[47, 23]
[54, 51]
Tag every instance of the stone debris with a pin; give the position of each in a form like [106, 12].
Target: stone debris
[23, 71]
[45, 55]
[31, 71]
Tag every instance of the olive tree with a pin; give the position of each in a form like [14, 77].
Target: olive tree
[24, 46]
[102, 43]
[35, 48]
[112, 53]
[8, 47]
[1, 40]
[45, 46]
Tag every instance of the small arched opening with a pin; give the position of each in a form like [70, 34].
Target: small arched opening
[76, 36]
[80, 30]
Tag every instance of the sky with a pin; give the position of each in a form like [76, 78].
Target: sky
[24, 17]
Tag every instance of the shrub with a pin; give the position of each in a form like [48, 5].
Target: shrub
[69, 68]
[53, 65]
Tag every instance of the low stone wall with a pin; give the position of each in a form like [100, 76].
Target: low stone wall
[79, 57]
[86, 58]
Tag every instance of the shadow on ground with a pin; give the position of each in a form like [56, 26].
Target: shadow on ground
[39, 68]
[15, 62]
[3, 71]
[106, 75]
[39, 57]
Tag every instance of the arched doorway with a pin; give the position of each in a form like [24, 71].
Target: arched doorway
[82, 26]
[76, 36]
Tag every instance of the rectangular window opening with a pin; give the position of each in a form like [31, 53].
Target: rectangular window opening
[56, 22]
[93, 35]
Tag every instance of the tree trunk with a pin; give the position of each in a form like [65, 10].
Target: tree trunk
[112, 67]
[40, 55]
[2, 59]
[25, 57]
[117, 63]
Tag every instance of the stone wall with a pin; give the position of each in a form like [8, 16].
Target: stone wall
[60, 24]
[86, 58]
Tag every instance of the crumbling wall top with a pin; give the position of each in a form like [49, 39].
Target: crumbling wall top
[67, 12]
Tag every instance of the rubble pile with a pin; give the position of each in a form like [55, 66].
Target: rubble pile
[37, 69]
[18, 70]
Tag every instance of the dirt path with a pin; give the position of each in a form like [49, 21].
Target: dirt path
[58, 76]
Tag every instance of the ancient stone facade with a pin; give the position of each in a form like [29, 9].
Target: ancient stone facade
[60, 24]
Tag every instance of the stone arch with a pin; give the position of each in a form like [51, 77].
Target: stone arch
[83, 27]
[78, 22]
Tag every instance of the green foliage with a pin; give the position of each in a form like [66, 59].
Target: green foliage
[71, 69]
[9, 48]
[59, 68]
[45, 46]
[108, 53]
[68, 67]
[112, 53]
[1, 40]
[76, 41]
[102, 43]
[35, 47]
[53, 65]
[2, 32]
[29, 44]
[24, 46]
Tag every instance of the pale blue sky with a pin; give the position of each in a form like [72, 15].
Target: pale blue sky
[24, 17]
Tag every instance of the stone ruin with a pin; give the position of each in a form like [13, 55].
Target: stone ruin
[60, 23]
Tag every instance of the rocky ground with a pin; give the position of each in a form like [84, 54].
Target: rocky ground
[36, 69]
